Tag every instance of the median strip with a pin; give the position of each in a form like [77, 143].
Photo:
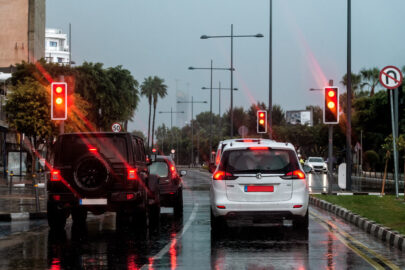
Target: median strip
[362, 219]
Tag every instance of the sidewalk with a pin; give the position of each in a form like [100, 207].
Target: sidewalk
[19, 201]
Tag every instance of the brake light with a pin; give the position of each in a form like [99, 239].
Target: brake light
[218, 157]
[92, 149]
[221, 175]
[55, 175]
[297, 174]
[173, 172]
[132, 174]
[259, 148]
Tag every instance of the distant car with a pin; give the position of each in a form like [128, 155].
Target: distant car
[99, 172]
[170, 182]
[259, 181]
[317, 164]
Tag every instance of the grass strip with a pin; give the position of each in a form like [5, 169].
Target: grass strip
[386, 210]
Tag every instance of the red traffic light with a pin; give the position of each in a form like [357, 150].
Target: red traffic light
[331, 105]
[261, 121]
[58, 101]
[154, 150]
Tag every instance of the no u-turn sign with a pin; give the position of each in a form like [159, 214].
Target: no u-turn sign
[390, 77]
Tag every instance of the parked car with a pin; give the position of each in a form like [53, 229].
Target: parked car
[317, 164]
[259, 181]
[99, 172]
[170, 182]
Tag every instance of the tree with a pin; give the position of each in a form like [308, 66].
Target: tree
[28, 111]
[278, 115]
[147, 91]
[126, 93]
[159, 90]
[370, 78]
[356, 82]
[112, 91]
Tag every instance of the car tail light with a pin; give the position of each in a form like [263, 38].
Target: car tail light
[56, 197]
[92, 149]
[297, 174]
[297, 206]
[55, 175]
[130, 196]
[221, 175]
[259, 148]
[173, 172]
[132, 174]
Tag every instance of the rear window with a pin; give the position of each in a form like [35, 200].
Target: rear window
[113, 148]
[277, 161]
[160, 168]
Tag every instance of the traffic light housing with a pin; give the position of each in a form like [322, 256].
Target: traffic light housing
[58, 101]
[331, 105]
[261, 121]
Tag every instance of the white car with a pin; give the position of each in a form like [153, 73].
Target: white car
[259, 182]
[317, 164]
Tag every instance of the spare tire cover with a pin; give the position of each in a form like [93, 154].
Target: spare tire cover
[91, 174]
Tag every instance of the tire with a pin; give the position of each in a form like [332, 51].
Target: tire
[302, 222]
[79, 216]
[154, 199]
[218, 224]
[56, 216]
[91, 174]
[178, 203]
[154, 215]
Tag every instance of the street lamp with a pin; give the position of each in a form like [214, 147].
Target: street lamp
[211, 69]
[191, 122]
[231, 69]
[219, 98]
[171, 122]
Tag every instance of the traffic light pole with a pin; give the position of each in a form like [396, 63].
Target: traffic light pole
[330, 161]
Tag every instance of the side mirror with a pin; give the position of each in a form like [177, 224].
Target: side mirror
[183, 173]
[307, 169]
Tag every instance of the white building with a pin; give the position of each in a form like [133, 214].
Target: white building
[56, 46]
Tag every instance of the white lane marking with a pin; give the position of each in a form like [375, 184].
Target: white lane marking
[166, 248]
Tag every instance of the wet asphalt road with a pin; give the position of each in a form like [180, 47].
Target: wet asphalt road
[186, 243]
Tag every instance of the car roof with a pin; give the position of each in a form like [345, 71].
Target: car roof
[245, 143]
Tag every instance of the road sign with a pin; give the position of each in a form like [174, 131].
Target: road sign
[116, 127]
[391, 77]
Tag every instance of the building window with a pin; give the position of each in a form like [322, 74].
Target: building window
[53, 44]
[60, 59]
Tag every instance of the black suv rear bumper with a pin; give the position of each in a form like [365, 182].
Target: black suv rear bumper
[115, 201]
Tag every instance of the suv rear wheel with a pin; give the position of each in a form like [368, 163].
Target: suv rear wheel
[56, 216]
[302, 222]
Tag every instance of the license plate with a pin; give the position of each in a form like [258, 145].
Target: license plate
[93, 201]
[259, 188]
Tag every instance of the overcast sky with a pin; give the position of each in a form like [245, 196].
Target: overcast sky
[162, 38]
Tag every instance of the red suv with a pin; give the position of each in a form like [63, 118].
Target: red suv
[170, 182]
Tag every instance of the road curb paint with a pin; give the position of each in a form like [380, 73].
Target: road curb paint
[23, 216]
[394, 238]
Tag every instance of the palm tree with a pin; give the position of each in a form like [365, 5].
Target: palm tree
[159, 90]
[370, 78]
[356, 82]
[147, 91]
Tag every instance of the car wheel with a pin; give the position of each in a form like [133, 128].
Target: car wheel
[56, 216]
[178, 203]
[217, 223]
[79, 216]
[302, 222]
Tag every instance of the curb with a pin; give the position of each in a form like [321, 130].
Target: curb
[393, 238]
[22, 216]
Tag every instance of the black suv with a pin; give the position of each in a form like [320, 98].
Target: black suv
[170, 182]
[99, 172]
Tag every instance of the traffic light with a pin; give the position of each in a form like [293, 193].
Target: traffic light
[58, 101]
[261, 121]
[331, 106]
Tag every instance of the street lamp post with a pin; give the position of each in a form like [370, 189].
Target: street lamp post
[192, 129]
[171, 123]
[231, 69]
[219, 96]
[211, 69]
